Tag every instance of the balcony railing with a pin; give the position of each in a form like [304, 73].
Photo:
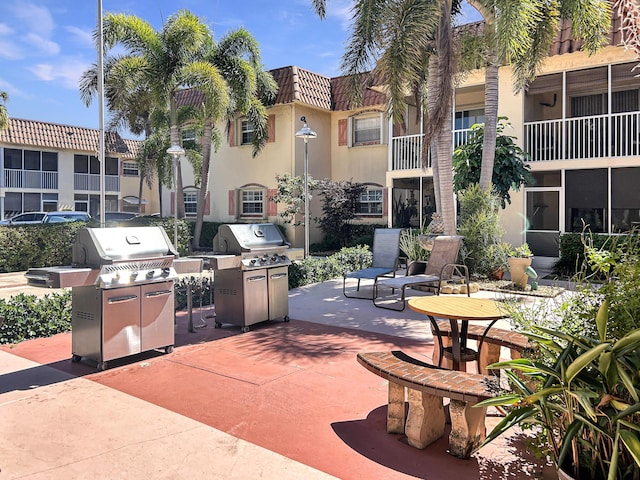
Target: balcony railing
[16, 178]
[598, 136]
[581, 138]
[90, 182]
[406, 153]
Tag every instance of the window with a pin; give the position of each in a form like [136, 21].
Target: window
[586, 200]
[246, 132]
[367, 130]
[12, 158]
[466, 118]
[252, 202]
[130, 169]
[625, 201]
[370, 202]
[191, 202]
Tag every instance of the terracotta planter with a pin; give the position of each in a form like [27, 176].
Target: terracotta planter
[517, 266]
[497, 274]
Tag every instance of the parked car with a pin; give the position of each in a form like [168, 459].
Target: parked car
[27, 218]
[62, 217]
[117, 216]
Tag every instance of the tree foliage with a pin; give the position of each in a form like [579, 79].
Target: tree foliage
[509, 170]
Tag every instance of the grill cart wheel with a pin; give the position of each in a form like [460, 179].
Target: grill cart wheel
[75, 358]
[245, 329]
[218, 325]
[286, 318]
[168, 349]
[102, 366]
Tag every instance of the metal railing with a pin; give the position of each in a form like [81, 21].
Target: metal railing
[406, 151]
[597, 136]
[91, 182]
[17, 178]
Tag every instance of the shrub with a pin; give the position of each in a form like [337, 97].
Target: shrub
[27, 316]
[314, 269]
[200, 292]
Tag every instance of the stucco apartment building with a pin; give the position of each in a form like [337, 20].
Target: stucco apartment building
[579, 121]
[48, 167]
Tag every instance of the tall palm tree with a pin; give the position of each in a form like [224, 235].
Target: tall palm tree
[4, 114]
[237, 59]
[409, 44]
[165, 61]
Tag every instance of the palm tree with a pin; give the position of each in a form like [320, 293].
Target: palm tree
[237, 59]
[164, 62]
[4, 115]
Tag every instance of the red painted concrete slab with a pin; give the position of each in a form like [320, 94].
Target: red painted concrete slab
[294, 388]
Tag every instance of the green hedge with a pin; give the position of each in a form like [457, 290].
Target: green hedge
[320, 269]
[28, 316]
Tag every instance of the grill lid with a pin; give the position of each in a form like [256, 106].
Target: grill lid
[242, 238]
[95, 247]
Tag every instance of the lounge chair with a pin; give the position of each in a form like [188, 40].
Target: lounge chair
[441, 267]
[386, 254]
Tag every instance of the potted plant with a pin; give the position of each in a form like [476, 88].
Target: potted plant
[582, 394]
[519, 260]
[410, 245]
[497, 259]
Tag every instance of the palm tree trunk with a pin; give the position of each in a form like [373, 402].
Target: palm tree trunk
[431, 102]
[204, 183]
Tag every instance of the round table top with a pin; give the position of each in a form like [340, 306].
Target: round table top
[460, 308]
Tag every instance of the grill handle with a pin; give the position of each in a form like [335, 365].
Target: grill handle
[257, 278]
[157, 293]
[124, 298]
[278, 275]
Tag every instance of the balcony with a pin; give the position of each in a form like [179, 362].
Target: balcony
[582, 138]
[16, 178]
[91, 182]
[598, 136]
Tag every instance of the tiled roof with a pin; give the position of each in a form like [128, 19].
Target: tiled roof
[31, 133]
[342, 98]
[565, 44]
[298, 84]
[189, 96]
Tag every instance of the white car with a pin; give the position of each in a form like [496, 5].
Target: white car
[27, 218]
[32, 218]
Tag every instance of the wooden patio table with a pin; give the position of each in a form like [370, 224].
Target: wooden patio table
[458, 309]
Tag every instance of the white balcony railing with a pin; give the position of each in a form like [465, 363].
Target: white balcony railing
[90, 182]
[598, 136]
[16, 178]
[581, 138]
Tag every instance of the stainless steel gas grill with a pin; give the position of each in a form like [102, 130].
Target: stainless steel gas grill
[122, 283]
[251, 272]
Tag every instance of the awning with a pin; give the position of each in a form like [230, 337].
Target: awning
[132, 200]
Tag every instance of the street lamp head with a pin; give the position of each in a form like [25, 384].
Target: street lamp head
[305, 132]
[175, 150]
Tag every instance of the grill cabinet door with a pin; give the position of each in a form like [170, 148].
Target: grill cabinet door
[255, 296]
[157, 315]
[121, 322]
[278, 292]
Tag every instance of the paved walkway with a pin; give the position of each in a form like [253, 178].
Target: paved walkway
[284, 401]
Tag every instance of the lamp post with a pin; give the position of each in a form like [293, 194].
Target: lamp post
[306, 133]
[175, 151]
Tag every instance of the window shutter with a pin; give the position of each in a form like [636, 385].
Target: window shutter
[271, 128]
[207, 203]
[232, 203]
[385, 199]
[232, 133]
[272, 207]
[342, 132]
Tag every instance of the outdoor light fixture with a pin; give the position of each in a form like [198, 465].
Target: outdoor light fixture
[175, 151]
[306, 133]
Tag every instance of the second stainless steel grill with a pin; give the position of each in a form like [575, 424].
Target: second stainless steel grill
[251, 274]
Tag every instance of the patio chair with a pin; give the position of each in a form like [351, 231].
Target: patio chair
[441, 267]
[386, 254]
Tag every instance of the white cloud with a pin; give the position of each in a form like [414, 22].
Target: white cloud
[44, 45]
[82, 37]
[11, 89]
[10, 50]
[341, 11]
[37, 18]
[66, 72]
[5, 29]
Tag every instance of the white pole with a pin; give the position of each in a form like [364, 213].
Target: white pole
[101, 149]
[306, 199]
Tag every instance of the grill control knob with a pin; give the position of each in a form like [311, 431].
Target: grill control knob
[133, 276]
[166, 271]
[253, 261]
[283, 258]
[115, 278]
[150, 274]
[274, 258]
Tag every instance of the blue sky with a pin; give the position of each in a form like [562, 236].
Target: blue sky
[45, 45]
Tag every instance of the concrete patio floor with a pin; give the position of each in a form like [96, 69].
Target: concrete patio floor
[283, 401]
